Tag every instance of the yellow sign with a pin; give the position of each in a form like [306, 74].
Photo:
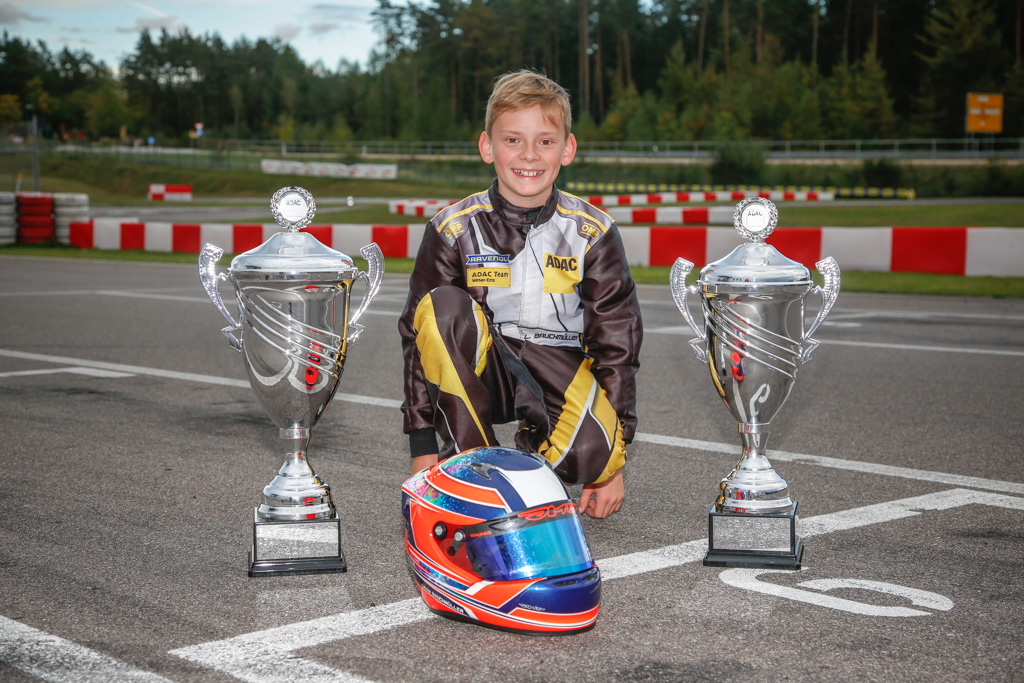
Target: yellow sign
[984, 112]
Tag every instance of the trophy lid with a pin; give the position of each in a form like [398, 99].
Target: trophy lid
[755, 263]
[291, 253]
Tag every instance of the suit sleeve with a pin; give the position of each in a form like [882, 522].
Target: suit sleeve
[437, 264]
[612, 325]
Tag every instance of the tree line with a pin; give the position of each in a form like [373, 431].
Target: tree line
[651, 70]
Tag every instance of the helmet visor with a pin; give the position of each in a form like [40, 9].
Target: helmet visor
[543, 541]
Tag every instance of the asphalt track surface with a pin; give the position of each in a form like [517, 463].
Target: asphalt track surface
[133, 452]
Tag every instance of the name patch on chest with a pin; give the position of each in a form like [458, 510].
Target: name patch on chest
[561, 274]
[488, 270]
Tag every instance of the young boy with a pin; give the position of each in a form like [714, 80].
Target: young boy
[521, 307]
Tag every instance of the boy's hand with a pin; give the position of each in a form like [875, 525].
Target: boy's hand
[422, 462]
[601, 500]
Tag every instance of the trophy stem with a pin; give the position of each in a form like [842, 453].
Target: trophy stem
[754, 486]
[296, 493]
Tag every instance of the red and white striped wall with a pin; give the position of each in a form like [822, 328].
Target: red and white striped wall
[396, 241]
[720, 196]
[947, 250]
[429, 207]
[418, 207]
[159, 192]
[955, 250]
[673, 215]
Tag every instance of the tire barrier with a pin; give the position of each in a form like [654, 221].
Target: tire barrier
[68, 208]
[820, 190]
[8, 218]
[35, 218]
[949, 250]
[159, 192]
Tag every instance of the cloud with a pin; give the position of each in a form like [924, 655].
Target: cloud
[287, 32]
[322, 27]
[11, 15]
[147, 8]
[339, 11]
[167, 22]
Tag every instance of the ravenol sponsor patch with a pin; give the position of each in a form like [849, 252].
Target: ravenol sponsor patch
[561, 274]
[488, 270]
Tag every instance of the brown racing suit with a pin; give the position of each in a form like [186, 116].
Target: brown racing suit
[549, 333]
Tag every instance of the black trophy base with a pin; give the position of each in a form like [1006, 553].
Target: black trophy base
[753, 541]
[307, 546]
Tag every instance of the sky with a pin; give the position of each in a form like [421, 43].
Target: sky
[109, 29]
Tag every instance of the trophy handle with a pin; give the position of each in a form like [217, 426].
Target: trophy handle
[677, 281]
[208, 258]
[375, 267]
[829, 270]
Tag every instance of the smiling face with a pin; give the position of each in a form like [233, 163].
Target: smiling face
[527, 149]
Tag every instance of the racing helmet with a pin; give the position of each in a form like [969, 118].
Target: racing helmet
[493, 539]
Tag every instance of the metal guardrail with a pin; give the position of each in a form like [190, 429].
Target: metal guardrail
[973, 148]
[926, 148]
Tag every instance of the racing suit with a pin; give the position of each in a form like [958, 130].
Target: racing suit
[528, 315]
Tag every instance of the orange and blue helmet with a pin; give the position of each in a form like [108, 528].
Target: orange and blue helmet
[494, 539]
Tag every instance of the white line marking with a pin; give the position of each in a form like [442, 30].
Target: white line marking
[270, 655]
[685, 330]
[868, 313]
[921, 347]
[91, 372]
[163, 297]
[837, 463]
[674, 441]
[172, 374]
[55, 659]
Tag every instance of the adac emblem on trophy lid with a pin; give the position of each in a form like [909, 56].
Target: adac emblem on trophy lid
[755, 218]
[293, 208]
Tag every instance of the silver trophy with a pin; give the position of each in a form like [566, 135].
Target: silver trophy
[294, 330]
[753, 342]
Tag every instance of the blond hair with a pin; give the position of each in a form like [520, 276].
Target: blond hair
[523, 89]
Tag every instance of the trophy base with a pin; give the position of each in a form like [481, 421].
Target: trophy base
[296, 547]
[754, 541]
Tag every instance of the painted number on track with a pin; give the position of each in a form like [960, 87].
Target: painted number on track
[747, 580]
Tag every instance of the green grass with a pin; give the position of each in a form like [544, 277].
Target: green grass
[852, 281]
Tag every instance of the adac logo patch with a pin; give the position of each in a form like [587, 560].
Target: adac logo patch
[561, 274]
[589, 230]
[488, 270]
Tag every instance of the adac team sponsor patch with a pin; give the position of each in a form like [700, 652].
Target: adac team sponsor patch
[488, 270]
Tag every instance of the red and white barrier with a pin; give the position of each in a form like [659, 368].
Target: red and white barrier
[946, 250]
[324, 169]
[396, 241]
[429, 207]
[673, 215]
[159, 192]
[956, 250]
[418, 207]
[720, 196]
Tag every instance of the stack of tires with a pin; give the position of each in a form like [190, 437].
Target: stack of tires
[8, 218]
[35, 217]
[68, 208]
